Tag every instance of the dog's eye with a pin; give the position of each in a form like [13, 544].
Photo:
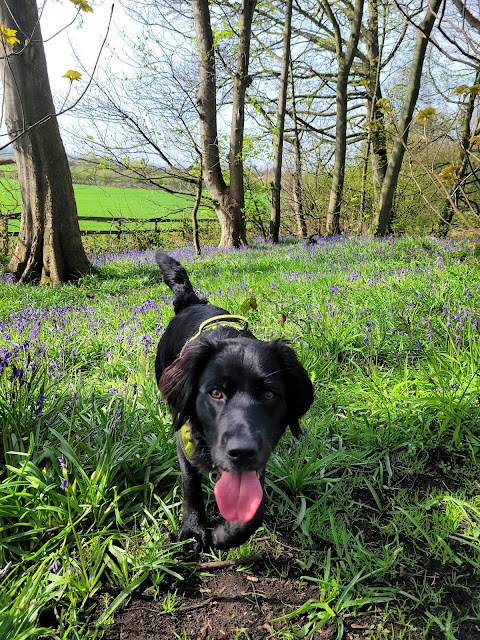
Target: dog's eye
[269, 395]
[216, 394]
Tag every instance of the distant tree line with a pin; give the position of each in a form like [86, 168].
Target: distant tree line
[373, 102]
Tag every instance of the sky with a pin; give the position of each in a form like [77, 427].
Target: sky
[83, 40]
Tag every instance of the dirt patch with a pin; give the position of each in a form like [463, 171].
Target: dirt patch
[227, 605]
[239, 605]
[469, 631]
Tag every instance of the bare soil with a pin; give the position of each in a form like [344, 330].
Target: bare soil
[244, 605]
[248, 601]
[227, 605]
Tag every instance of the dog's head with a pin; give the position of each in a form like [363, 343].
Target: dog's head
[239, 396]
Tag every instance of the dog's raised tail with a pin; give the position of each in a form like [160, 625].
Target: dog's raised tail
[175, 276]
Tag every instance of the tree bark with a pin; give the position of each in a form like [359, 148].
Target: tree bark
[338, 176]
[375, 117]
[276, 185]
[49, 247]
[363, 197]
[345, 59]
[240, 84]
[228, 201]
[196, 206]
[297, 177]
[385, 212]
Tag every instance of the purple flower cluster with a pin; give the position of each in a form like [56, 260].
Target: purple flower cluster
[343, 279]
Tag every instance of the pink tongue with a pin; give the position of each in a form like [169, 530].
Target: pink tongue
[238, 495]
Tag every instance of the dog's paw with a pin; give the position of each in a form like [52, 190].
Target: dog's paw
[231, 534]
[198, 536]
[221, 537]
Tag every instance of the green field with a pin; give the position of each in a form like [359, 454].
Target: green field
[111, 202]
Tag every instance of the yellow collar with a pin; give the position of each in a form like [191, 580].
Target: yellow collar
[239, 322]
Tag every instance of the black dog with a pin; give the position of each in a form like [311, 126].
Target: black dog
[231, 397]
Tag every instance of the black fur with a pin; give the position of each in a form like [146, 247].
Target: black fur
[263, 390]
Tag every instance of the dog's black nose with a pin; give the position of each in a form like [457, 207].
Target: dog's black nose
[241, 451]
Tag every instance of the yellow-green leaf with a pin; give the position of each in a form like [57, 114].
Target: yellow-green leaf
[475, 140]
[8, 35]
[249, 303]
[72, 75]
[464, 90]
[384, 105]
[82, 5]
[448, 175]
[425, 115]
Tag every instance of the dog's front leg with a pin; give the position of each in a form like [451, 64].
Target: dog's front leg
[194, 519]
[232, 534]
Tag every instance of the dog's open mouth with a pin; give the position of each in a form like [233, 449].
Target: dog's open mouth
[238, 495]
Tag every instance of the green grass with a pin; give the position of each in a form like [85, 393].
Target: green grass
[112, 202]
[130, 203]
[380, 497]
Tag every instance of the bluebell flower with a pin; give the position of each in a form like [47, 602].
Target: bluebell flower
[53, 568]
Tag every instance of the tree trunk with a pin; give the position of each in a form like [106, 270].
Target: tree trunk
[297, 177]
[49, 247]
[240, 84]
[375, 117]
[338, 177]
[4, 234]
[228, 202]
[344, 60]
[196, 206]
[464, 160]
[276, 185]
[385, 213]
[363, 197]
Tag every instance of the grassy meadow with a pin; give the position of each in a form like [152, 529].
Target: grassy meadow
[380, 498]
[128, 202]
[109, 202]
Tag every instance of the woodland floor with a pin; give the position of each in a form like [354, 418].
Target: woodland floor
[232, 604]
[247, 600]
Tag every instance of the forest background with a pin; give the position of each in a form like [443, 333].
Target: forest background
[360, 129]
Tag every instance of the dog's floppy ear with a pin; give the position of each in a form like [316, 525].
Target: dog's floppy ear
[178, 382]
[298, 384]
